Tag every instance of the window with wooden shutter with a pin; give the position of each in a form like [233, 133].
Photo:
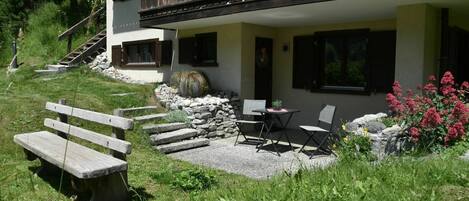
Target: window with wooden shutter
[382, 59]
[186, 50]
[116, 52]
[142, 53]
[166, 52]
[303, 62]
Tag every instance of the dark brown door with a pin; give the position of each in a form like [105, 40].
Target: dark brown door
[263, 69]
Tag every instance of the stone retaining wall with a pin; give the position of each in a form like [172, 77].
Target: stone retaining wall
[212, 115]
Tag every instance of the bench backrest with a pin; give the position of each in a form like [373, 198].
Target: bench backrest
[117, 122]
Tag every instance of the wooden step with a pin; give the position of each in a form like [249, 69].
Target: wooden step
[183, 145]
[161, 128]
[150, 117]
[56, 67]
[46, 72]
[173, 136]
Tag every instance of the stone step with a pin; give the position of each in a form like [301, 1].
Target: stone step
[173, 136]
[183, 145]
[57, 67]
[46, 72]
[161, 128]
[150, 117]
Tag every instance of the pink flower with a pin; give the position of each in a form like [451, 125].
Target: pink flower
[431, 118]
[431, 78]
[447, 90]
[455, 131]
[394, 104]
[414, 133]
[411, 104]
[447, 79]
[465, 85]
[430, 88]
[460, 113]
[396, 88]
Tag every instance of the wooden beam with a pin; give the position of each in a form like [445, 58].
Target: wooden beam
[91, 136]
[106, 119]
[152, 17]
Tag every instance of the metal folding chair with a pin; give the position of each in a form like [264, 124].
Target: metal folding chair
[248, 107]
[326, 116]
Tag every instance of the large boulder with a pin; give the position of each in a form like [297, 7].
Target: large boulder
[190, 83]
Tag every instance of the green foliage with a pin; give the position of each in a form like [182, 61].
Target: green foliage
[194, 180]
[355, 147]
[389, 121]
[277, 104]
[176, 116]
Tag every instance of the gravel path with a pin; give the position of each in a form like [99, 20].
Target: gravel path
[243, 159]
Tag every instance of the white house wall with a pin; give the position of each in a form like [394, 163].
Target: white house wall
[122, 22]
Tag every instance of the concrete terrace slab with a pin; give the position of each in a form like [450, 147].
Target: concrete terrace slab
[242, 159]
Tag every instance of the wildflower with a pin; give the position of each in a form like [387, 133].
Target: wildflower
[365, 132]
[460, 112]
[431, 78]
[465, 85]
[343, 127]
[429, 88]
[431, 118]
[414, 133]
[411, 104]
[346, 139]
[447, 79]
[396, 88]
[394, 104]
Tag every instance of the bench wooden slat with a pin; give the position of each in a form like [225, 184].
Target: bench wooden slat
[82, 162]
[106, 119]
[91, 136]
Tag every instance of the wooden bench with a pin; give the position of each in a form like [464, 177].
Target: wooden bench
[105, 176]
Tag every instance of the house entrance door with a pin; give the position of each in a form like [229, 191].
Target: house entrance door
[263, 69]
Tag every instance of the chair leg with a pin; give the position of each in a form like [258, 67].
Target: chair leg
[304, 145]
[320, 146]
[237, 136]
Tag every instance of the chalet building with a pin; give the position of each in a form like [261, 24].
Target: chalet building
[303, 52]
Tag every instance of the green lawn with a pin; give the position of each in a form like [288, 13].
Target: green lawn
[22, 110]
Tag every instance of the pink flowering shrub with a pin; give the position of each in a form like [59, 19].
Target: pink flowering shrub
[435, 117]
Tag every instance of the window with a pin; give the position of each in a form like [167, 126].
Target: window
[142, 53]
[344, 61]
[200, 50]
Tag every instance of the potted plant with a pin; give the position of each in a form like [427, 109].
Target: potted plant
[277, 104]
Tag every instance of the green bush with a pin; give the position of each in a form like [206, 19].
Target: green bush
[177, 116]
[193, 180]
[355, 147]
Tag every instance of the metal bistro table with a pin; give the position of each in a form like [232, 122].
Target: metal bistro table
[276, 116]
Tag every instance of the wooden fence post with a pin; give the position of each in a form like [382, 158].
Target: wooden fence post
[14, 63]
[63, 118]
[69, 43]
[119, 134]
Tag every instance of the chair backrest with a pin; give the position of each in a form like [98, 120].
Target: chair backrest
[250, 105]
[327, 114]
[116, 122]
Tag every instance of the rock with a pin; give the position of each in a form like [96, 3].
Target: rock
[205, 115]
[212, 134]
[392, 131]
[199, 121]
[212, 127]
[369, 117]
[375, 126]
[190, 83]
[351, 126]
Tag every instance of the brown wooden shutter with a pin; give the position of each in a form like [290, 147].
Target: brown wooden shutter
[186, 50]
[157, 53]
[116, 59]
[303, 62]
[166, 52]
[381, 60]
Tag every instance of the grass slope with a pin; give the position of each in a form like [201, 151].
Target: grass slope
[150, 173]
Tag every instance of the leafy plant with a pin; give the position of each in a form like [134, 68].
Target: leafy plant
[436, 119]
[277, 104]
[176, 116]
[194, 180]
[354, 147]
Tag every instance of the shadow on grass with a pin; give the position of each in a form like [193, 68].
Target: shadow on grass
[51, 175]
